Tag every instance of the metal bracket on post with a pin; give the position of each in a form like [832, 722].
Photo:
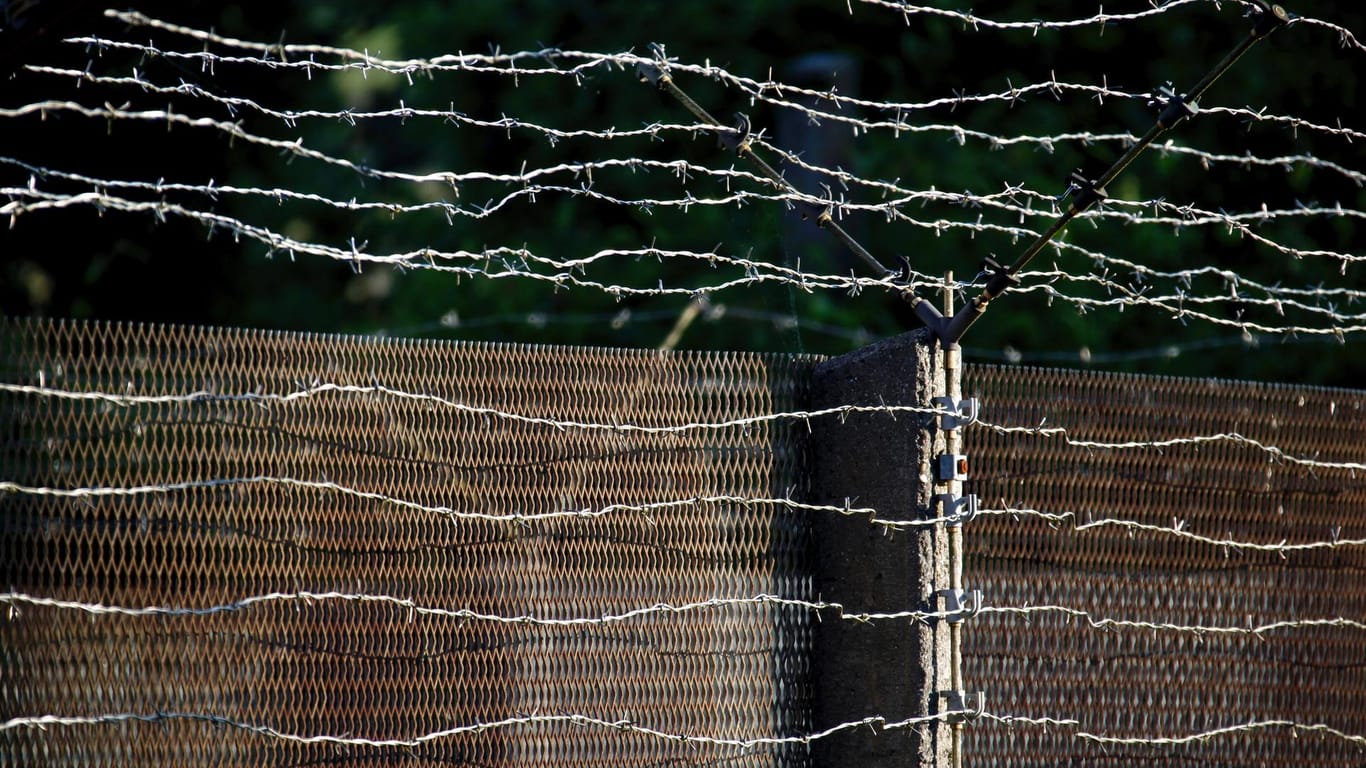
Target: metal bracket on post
[961, 706]
[1267, 17]
[957, 509]
[950, 467]
[959, 604]
[654, 74]
[960, 412]
[1084, 192]
[1175, 108]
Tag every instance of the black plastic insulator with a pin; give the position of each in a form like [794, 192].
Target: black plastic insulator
[738, 141]
[1270, 17]
[652, 73]
[1175, 107]
[999, 278]
[1085, 193]
[648, 73]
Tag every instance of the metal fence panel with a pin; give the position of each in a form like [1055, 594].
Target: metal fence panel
[399, 472]
[1149, 683]
[359, 470]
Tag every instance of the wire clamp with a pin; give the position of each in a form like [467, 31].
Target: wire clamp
[1175, 108]
[959, 604]
[957, 510]
[656, 74]
[957, 413]
[1084, 192]
[962, 706]
[999, 277]
[1269, 17]
[741, 140]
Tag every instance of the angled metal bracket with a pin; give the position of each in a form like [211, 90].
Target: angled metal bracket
[959, 604]
[955, 509]
[961, 706]
[1175, 107]
[960, 412]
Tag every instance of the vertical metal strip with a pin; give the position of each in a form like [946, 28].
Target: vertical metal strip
[953, 383]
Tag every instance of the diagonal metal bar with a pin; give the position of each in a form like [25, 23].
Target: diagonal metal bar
[1085, 192]
[737, 138]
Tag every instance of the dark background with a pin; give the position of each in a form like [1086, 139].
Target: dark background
[123, 266]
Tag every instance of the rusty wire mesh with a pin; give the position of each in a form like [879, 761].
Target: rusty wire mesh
[298, 669]
[1146, 684]
[375, 670]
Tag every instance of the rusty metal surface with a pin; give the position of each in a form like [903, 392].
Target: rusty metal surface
[375, 670]
[1149, 683]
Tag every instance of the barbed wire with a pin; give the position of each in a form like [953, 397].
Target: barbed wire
[1105, 622]
[1180, 305]
[318, 389]
[1179, 216]
[1274, 453]
[971, 21]
[871, 515]
[292, 117]
[1023, 204]
[1252, 726]
[820, 607]
[875, 723]
[1242, 298]
[324, 388]
[451, 513]
[413, 608]
[769, 91]
[1177, 529]
[645, 510]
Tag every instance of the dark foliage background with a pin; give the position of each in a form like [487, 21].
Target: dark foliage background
[78, 263]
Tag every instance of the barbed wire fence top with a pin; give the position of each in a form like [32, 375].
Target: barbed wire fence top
[617, 210]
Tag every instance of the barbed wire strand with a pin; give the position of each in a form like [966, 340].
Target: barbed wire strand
[585, 513]
[821, 607]
[766, 91]
[1274, 453]
[1179, 305]
[1179, 216]
[282, 50]
[875, 724]
[1252, 726]
[323, 388]
[1106, 623]
[412, 608]
[318, 389]
[291, 119]
[974, 22]
[1177, 529]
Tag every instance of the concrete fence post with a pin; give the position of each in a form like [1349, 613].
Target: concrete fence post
[888, 668]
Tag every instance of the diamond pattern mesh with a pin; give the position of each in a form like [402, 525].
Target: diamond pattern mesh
[1126, 682]
[365, 490]
[372, 465]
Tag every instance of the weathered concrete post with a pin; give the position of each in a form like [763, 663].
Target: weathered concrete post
[891, 668]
